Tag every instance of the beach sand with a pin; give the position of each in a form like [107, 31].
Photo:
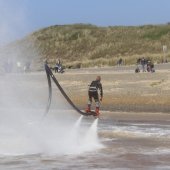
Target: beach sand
[124, 90]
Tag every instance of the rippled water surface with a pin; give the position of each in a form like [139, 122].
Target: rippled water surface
[125, 145]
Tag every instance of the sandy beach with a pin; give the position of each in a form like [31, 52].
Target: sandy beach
[124, 90]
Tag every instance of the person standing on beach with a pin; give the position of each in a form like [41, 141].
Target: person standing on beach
[143, 63]
[57, 65]
[94, 87]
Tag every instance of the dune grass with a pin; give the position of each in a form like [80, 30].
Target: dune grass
[85, 45]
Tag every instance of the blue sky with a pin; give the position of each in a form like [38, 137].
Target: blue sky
[21, 17]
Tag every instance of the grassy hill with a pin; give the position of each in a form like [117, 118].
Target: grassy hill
[81, 45]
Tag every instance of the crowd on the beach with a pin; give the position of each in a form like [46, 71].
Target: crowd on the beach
[145, 65]
[10, 66]
[58, 67]
[16, 66]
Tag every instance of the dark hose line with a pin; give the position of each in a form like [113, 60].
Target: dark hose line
[51, 75]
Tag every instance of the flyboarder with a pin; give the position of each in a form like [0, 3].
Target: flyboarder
[94, 87]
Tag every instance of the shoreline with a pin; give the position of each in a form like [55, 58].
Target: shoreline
[148, 117]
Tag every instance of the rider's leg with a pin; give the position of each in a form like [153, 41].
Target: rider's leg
[88, 109]
[96, 98]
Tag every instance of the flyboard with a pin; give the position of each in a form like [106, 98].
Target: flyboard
[50, 76]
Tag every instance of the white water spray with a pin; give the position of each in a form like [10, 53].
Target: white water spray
[83, 139]
[14, 23]
[91, 137]
[21, 131]
[78, 122]
[22, 105]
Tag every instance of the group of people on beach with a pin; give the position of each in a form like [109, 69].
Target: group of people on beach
[58, 68]
[146, 65]
[11, 66]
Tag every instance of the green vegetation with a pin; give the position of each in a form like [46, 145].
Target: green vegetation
[81, 45]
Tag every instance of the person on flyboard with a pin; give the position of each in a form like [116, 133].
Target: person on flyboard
[94, 87]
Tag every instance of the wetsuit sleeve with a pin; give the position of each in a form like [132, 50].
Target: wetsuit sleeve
[101, 90]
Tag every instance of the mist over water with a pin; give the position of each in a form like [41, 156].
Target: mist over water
[24, 130]
[23, 127]
[13, 23]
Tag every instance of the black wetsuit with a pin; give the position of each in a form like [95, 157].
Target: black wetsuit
[93, 90]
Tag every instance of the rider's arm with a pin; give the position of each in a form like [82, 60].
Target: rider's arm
[101, 91]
